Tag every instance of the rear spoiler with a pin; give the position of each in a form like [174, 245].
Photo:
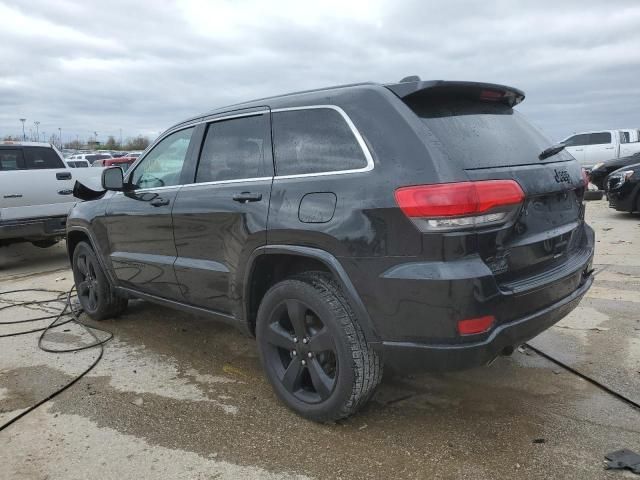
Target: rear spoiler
[488, 92]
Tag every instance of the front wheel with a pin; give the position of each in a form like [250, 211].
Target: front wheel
[313, 350]
[94, 291]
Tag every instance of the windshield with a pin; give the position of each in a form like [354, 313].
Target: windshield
[483, 134]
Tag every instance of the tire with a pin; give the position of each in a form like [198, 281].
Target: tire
[94, 291]
[593, 195]
[334, 371]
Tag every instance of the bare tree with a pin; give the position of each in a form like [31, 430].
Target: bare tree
[110, 144]
[137, 143]
[74, 145]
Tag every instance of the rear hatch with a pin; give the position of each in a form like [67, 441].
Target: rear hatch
[475, 127]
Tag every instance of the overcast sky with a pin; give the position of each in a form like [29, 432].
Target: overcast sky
[142, 65]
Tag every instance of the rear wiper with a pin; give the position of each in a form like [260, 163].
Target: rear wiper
[552, 150]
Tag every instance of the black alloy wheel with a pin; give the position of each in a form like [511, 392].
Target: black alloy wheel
[313, 349]
[87, 287]
[301, 349]
[95, 294]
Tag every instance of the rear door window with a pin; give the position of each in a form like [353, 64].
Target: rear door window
[235, 149]
[478, 134]
[11, 159]
[38, 158]
[315, 140]
[600, 138]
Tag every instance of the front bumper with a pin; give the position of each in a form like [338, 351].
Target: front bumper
[32, 229]
[409, 356]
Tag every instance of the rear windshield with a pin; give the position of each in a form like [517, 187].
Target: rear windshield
[483, 134]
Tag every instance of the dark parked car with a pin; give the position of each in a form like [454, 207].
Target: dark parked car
[623, 189]
[598, 175]
[410, 224]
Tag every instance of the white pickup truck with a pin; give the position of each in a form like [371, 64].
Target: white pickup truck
[36, 192]
[590, 148]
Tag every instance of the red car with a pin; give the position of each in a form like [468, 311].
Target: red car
[122, 162]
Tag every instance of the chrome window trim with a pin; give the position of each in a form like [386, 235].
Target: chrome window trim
[224, 182]
[354, 131]
[202, 120]
[213, 119]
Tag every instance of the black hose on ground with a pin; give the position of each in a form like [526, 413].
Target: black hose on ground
[69, 313]
[592, 381]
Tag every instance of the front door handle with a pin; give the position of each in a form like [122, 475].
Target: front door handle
[13, 195]
[159, 202]
[245, 197]
[63, 175]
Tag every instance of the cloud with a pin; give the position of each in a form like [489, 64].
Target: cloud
[141, 66]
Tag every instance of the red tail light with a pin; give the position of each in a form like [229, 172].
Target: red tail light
[472, 326]
[448, 206]
[491, 95]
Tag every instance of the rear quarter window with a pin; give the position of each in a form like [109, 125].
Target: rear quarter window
[314, 140]
[483, 134]
[38, 158]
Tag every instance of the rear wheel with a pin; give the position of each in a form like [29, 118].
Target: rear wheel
[95, 294]
[313, 350]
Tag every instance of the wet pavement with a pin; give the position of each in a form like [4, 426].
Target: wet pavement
[176, 396]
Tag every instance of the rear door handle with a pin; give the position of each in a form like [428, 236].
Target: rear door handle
[63, 175]
[13, 195]
[159, 202]
[245, 197]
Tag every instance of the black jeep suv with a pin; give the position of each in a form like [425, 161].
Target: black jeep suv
[413, 224]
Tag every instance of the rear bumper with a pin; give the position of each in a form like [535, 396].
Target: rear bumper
[415, 307]
[32, 229]
[407, 356]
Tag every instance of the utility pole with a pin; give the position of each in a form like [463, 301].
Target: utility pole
[60, 137]
[37, 124]
[23, 135]
[44, 137]
[120, 142]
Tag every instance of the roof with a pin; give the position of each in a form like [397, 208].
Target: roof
[410, 86]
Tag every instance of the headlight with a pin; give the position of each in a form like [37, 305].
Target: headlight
[597, 166]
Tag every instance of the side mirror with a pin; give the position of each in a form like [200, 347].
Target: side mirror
[113, 179]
